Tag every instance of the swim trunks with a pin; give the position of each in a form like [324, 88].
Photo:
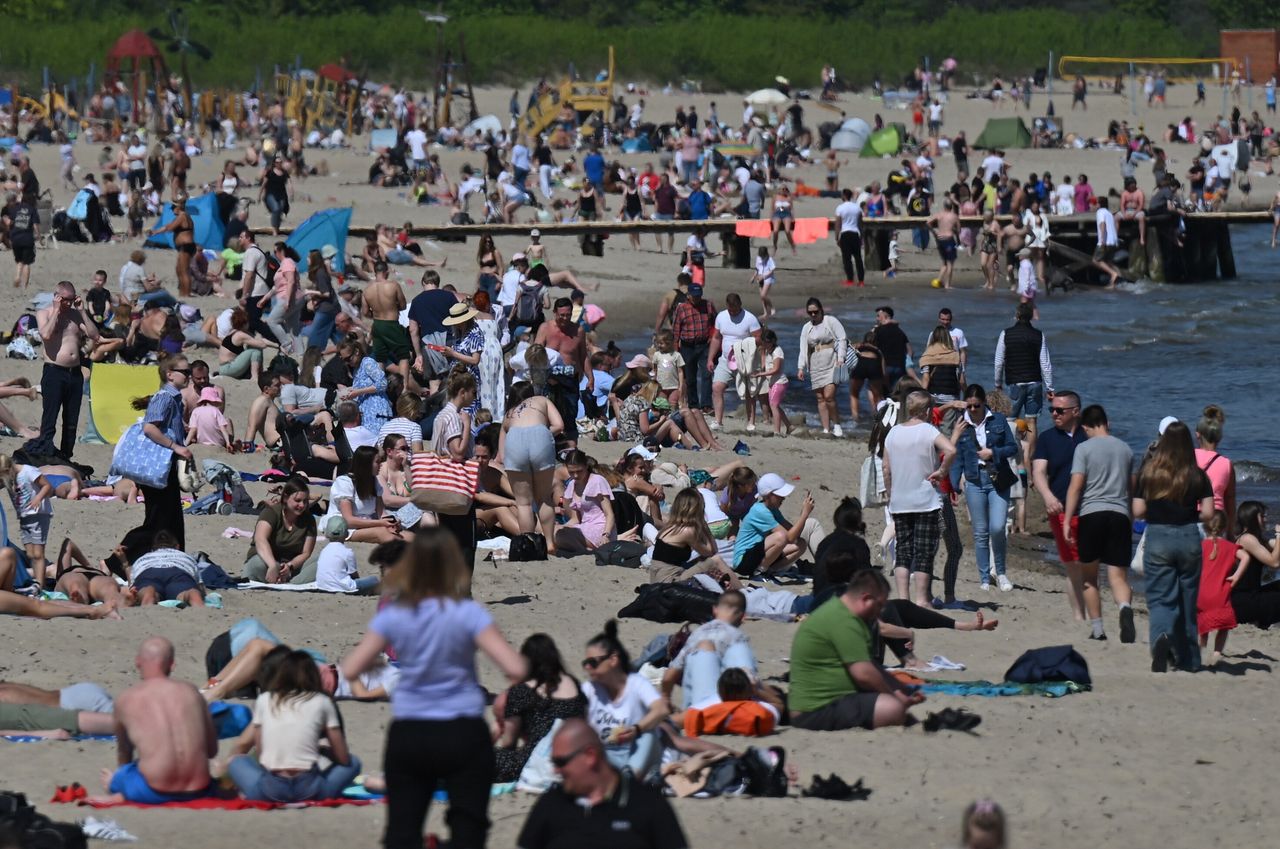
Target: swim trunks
[947, 249]
[390, 341]
[130, 783]
[38, 718]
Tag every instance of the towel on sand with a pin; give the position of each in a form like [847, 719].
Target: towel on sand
[212, 804]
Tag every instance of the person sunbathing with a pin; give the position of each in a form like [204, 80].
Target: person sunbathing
[82, 708]
[85, 583]
[15, 604]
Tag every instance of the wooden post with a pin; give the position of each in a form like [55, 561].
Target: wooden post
[1155, 254]
[1226, 259]
[1137, 258]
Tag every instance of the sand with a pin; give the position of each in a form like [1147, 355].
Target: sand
[1143, 759]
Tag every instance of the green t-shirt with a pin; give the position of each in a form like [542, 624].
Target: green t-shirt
[824, 646]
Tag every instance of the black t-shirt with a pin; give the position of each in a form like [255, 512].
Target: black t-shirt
[335, 373]
[430, 308]
[277, 185]
[324, 285]
[22, 226]
[98, 300]
[30, 187]
[636, 817]
[1184, 511]
[959, 147]
[892, 342]
[837, 542]
[542, 155]
[234, 228]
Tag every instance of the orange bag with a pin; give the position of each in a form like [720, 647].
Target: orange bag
[746, 719]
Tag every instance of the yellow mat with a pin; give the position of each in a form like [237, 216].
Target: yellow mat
[112, 389]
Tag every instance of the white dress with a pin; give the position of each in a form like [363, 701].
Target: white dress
[493, 384]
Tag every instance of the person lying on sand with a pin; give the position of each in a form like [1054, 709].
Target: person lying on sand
[82, 708]
[85, 583]
[15, 604]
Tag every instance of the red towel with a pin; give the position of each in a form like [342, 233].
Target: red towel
[754, 228]
[809, 230]
[212, 804]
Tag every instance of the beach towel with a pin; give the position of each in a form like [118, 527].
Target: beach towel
[75, 738]
[312, 587]
[754, 228]
[809, 230]
[1049, 689]
[212, 804]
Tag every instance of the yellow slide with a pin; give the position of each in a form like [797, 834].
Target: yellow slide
[112, 389]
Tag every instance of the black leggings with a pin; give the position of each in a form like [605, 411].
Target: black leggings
[851, 255]
[955, 548]
[907, 614]
[420, 755]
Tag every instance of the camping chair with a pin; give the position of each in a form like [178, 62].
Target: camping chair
[295, 445]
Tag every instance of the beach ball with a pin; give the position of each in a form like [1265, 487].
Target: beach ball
[936, 283]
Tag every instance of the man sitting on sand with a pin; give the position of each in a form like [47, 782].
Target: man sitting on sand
[167, 725]
[835, 683]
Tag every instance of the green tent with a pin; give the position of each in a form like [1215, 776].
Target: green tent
[885, 142]
[1004, 132]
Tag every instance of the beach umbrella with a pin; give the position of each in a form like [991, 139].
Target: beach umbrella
[485, 125]
[767, 97]
[326, 227]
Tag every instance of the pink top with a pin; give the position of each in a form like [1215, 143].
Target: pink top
[1219, 472]
[1084, 192]
[286, 275]
[588, 506]
[208, 422]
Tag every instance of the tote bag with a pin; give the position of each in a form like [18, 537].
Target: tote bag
[442, 485]
[142, 461]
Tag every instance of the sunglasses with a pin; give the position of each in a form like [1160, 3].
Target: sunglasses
[593, 662]
[974, 407]
[1060, 411]
[186, 371]
[562, 761]
[813, 312]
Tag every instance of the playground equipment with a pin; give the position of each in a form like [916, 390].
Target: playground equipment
[1221, 66]
[324, 99]
[129, 60]
[224, 102]
[42, 109]
[580, 95]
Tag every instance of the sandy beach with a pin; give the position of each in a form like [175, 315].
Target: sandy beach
[1176, 760]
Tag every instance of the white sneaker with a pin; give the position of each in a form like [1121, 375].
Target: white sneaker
[751, 428]
[837, 431]
[1005, 583]
[986, 588]
[713, 424]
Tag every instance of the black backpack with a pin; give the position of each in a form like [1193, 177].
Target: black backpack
[528, 308]
[34, 830]
[527, 547]
[670, 603]
[1052, 663]
[623, 553]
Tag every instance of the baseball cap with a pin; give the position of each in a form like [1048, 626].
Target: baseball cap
[535, 232]
[695, 290]
[639, 361]
[772, 484]
[335, 528]
[328, 251]
[1164, 424]
[519, 257]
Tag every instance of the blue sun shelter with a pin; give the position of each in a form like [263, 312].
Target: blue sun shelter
[209, 232]
[326, 227]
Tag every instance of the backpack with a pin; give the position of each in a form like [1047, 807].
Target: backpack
[1052, 663]
[745, 719]
[621, 553]
[79, 208]
[527, 547]
[34, 829]
[528, 308]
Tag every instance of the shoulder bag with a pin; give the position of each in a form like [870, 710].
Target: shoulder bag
[442, 485]
[141, 460]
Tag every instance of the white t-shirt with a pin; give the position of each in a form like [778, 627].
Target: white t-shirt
[912, 457]
[1065, 199]
[520, 157]
[137, 154]
[733, 330]
[164, 558]
[850, 215]
[292, 729]
[520, 366]
[25, 492]
[345, 489]
[360, 436]
[224, 322]
[711, 510]
[334, 568]
[629, 709]
[935, 111]
[771, 359]
[958, 339]
[765, 268]
[991, 167]
[1107, 234]
[417, 141]
[510, 287]
[385, 676]
[254, 257]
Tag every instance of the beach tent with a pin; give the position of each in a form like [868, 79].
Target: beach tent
[852, 135]
[326, 227]
[766, 97]
[885, 142]
[484, 125]
[639, 144]
[1002, 133]
[382, 139]
[112, 388]
[204, 215]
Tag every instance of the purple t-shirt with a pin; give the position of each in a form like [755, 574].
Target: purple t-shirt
[435, 643]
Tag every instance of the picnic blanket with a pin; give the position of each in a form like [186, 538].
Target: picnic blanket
[214, 804]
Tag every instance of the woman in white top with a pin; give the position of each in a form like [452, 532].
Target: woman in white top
[357, 497]
[1037, 225]
[622, 707]
[290, 719]
[822, 348]
[764, 277]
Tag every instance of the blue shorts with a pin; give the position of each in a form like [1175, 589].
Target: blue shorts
[1027, 399]
[129, 782]
[169, 583]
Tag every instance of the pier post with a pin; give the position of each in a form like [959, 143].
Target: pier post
[1155, 254]
[1226, 259]
[1137, 258]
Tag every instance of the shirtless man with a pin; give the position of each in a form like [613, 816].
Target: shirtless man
[383, 302]
[197, 384]
[945, 225]
[570, 341]
[262, 412]
[1012, 238]
[166, 724]
[1133, 204]
[1275, 218]
[63, 325]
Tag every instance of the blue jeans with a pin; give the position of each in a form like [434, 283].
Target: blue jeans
[988, 511]
[1027, 399]
[702, 670]
[276, 206]
[322, 332]
[641, 755]
[159, 297]
[260, 785]
[1171, 566]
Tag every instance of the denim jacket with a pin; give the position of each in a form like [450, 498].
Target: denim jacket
[1000, 440]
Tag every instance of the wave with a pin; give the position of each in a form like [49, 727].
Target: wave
[1248, 470]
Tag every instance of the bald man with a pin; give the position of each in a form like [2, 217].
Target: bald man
[596, 805]
[166, 725]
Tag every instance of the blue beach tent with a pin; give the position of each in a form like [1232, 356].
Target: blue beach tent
[326, 227]
[209, 232]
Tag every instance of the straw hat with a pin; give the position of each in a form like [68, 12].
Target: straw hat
[459, 313]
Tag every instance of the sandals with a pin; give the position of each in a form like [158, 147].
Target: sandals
[837, 789]
[952, 719]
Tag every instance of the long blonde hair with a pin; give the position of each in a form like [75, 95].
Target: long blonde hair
[688, 511]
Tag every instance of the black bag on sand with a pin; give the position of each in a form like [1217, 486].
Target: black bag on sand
[34, 830]
[1052, 663]
[670, 603]
[623, 553]
[528, 547]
